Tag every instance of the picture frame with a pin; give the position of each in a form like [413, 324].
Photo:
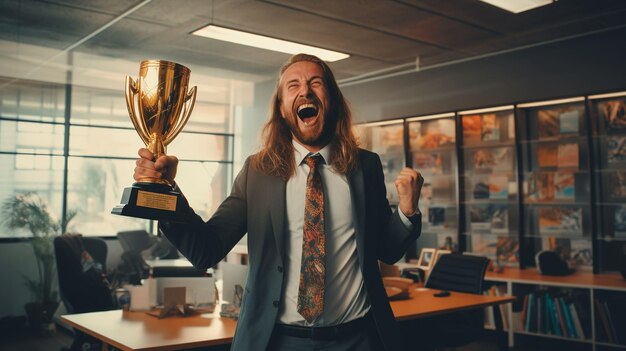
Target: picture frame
[427, 258]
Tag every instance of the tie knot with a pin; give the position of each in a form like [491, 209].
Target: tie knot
[314, 160]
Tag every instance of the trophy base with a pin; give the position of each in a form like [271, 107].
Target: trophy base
[151, 201]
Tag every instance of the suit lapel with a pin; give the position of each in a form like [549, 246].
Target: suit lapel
[357, 191]
[277, 186]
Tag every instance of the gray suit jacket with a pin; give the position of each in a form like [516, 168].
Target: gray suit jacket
[256, 206]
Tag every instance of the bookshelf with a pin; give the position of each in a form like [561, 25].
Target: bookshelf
[593, 297]
[387, 140]
[432, 149]
[609, 140]
[556, 180]
[510, 181]
[490, 177]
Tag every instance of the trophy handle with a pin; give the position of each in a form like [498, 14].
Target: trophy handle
[131, 95]
[190, 101]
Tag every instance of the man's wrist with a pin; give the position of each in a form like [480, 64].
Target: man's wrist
[416, 217]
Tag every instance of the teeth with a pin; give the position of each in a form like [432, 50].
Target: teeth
[303, 106]
[307, 110]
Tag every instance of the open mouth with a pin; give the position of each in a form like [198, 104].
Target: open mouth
[307, 113]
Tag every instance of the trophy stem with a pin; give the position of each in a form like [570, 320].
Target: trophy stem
[156, 146]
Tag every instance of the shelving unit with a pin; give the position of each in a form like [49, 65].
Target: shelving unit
[609, 139]
[432, 150]
[556, 180]
[387, 140]
[508, 182]
[587, 287]
[490, 177]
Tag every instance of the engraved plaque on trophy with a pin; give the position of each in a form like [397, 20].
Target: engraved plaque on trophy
[159, 104]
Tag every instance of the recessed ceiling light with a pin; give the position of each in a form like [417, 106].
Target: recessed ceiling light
[517, 6]
[263, 42]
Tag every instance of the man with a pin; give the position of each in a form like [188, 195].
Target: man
[316, 226]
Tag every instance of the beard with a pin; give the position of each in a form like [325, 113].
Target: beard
[317, 136]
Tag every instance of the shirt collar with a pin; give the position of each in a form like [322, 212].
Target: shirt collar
[301, 152]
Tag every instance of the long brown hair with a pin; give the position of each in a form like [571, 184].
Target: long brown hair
[276, 156]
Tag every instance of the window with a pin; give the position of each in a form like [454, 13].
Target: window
[90, 173]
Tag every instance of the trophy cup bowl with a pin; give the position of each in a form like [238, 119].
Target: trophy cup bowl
[159, 104]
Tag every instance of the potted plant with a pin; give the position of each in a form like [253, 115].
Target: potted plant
[28, 211]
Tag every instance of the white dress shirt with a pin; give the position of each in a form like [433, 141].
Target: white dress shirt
[345, 296]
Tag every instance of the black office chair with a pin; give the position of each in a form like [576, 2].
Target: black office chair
[83, 285]
[453, 272]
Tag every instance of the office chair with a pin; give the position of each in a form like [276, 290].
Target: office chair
[81, 267]
[453, 272]
[456, 272]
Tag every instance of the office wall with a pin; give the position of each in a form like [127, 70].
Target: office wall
[595, 63]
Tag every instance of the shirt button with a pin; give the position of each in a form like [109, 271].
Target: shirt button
[280, 269]
[275, 303]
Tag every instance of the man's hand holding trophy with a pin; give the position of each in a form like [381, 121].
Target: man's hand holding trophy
[159, 104]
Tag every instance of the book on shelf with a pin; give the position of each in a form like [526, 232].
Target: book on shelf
[553, 312]
[616, 186]
[490, 128]
[492, 218]
[484, 245]
[387, 138]
[507, 250]
[568, 155]
[540, 186]
[560, 220]
[619, 217]
[567, 317]
[613, 113]
[481, 188]
[576, 321]
[548, 123]
[553, 316]
[564, 185]
[616, 314]
[480, 217]
[499, 216]
[502, 309]
[471, 129]
[568, 121]
[616, 149]
[604, 328]
[498, 187]
[496, 159]
[432, 134]
[428, 163]
[547, 155]
[581, 253]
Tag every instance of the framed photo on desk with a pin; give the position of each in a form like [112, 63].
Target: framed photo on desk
[427, 258]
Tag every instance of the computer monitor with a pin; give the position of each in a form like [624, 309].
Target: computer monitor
[135, 241]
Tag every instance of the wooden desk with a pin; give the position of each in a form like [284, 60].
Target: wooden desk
[139, 331]
[423, 303]
[127, 330]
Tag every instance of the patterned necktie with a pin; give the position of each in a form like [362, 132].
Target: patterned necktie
[311, 293]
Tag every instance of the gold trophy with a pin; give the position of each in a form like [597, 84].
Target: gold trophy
[159, 104]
